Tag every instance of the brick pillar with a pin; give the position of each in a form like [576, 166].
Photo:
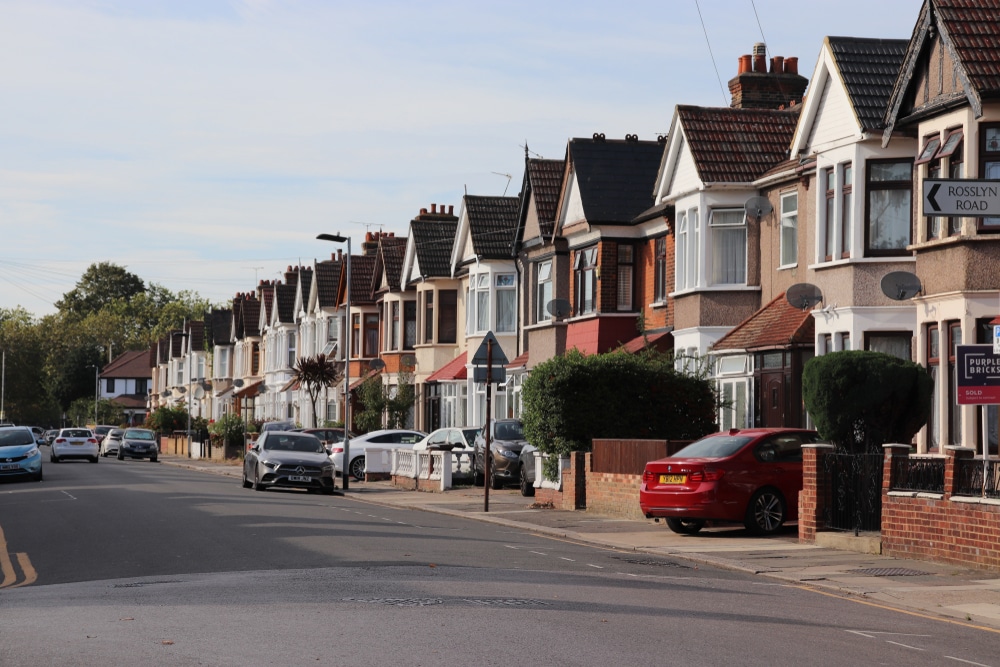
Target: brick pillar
[574, 482]
[953, 456]
[812, 497]
[892, 451]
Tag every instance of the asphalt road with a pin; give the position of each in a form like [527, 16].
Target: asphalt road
[140, 563]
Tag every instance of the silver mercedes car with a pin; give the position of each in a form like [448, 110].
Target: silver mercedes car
[288, 459]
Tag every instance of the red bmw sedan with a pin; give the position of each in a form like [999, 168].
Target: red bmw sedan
[752, 476]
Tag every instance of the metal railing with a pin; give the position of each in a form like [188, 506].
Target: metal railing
[974, 479]
[854, 484]
[917, 474]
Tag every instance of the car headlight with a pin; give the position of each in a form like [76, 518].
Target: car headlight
[506, 453]
[270, 465]
[32, 453]
[327, 468]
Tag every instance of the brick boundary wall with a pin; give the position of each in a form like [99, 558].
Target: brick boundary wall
[813, 495]
[614, 494]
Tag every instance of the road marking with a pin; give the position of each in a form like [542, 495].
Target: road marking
[539, 553]
[968, 662]
[70, 495]
[30, 576]
[599, 567]
[569, 559]
[889, 641]
[7, 567]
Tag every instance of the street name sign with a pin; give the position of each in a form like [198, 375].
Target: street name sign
[961, 197]
[977, 368]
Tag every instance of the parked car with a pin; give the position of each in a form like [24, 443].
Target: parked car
[112, 441]
[288, 459]
[327, 436]
[526, 470]
[506, 442]
[751, 476]
[358, 446]
[279, 425]
[102, 430]
[38, 432]
[138, 443]
[75, 443]
[50, 435]
[19, 455]
[452, 438]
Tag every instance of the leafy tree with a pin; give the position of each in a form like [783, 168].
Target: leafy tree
[25, 398]
[167, 419]
[229, 428]
[381, 404]
[371, 396]
[636, 396]
[100, 285]
[316, 374]
[861, 400]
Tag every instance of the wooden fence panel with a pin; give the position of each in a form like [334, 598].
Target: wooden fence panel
[629, 457]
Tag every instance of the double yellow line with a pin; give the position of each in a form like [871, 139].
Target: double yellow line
[9, 572]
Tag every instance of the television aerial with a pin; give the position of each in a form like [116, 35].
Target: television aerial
[900, 285]
[803, 295]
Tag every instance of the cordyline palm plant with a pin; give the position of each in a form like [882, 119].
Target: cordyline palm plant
[316, 373]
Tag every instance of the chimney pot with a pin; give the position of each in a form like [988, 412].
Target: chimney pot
[451, 209]
[791, 65]
[434, 208]
[423, 211]
[777, 64]
[759, 63]
[745, 64]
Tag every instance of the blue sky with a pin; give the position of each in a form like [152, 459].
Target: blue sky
[204, 143]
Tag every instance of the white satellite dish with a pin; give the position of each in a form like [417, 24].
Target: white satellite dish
[199, 392]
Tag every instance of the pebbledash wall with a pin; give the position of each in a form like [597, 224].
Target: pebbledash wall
[941, 527]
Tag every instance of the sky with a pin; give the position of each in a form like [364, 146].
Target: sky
[203, 144]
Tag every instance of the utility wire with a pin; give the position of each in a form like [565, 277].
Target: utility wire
[710, 54]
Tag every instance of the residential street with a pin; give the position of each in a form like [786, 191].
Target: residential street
[141, 563]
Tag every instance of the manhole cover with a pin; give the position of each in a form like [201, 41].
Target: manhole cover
[398, 602]
[490, 602]
[649, 561]
[888, 572]
[140, 584]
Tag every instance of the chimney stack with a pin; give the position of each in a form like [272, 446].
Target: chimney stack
[754, 87]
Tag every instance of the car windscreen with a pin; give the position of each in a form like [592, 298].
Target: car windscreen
[292, 443]
[713, 447]
[508, 431]
[13, 437]
[77, 433]
[138, 435]
[470, 435]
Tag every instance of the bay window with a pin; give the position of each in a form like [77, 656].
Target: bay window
[889, 186]
[586, 281]
[506, 297]
[729, 246]
[660, 270]
[626, 258]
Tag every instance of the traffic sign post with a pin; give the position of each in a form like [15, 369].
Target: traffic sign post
[488, 354]
[961, 197]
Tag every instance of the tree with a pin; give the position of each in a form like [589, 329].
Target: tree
[316, 374]
[167, 419]
[100, 285]
[637, 396]
[381, 404]
[861, 400]
[26, 400]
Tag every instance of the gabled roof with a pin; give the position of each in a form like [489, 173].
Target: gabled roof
[432, 242]
[266, 291]
[305, 284]
[132, 364]
[868, 68]
[328, 283]
[284, 297]
[492, 225]
[390, 260]
[221, 326]
[362, 271]
[453, 370]
[779, 324]
[736, 145]
[544, 178]
[250, 314]
[196, 329]
[615, 177]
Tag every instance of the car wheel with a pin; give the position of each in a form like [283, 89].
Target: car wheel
[527, 488]
[153, 459]
[39, 477]
[257, 486]
[95, 459]
[496, 482]
[685, 526]
[765, 513]
[246, 482]
[121, 457]
[357, 468]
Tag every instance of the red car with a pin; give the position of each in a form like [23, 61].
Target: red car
[750, 475]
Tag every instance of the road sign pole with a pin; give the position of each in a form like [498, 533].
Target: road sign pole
[487, 453]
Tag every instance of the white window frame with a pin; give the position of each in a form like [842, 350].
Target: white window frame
[681, 252]
[543, 290]
[722, 225]
[505, 285]
[626, 277]
[789, 234]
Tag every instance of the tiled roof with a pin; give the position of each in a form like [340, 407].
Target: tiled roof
[362, 270]
[391, 250]
[869, 68]
[328, 283]
[736, 145]
[493, 225]
[132, 364]
[662, 341]
[266, 292]
[615, 177]
[433, 240]
[285, 295]
[250, 312]
[778, 324]
[196, 329]
[453, 370]
[221, 326]
[306, 280]
[545, 178]
[973, 28]
[520, 361]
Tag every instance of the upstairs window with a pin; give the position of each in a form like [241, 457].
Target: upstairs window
[990, 168]
[428, 317]
[846, 207]
[394, 326]
[292, 349]
[586, 281]
[110, 385]
[789, 229]
[729, 246]
[890, 187]
[543, 290]
[409, 325]
[660, 269]
[371, 335]
[681, 251]
[447, 316]
[626, 259]
[830, 176]
[506, 296]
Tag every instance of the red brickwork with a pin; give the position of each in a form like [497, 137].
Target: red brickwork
[814, 492]
[661, 316]
[613, 494]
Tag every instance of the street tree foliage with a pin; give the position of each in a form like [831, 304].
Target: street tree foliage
[381, 404]
[168, 418]
[101, 284]
[26, 400]
[570, 400]
[316, 374]
[861, 400]
[81, 412]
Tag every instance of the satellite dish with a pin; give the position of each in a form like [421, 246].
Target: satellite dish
[166, 392]
[376, 364]
[757, 207]
[181, 390]
[199, 392]
[408, 362]
[900, 285]
[558, 308]
[803, 295]
[238, 382]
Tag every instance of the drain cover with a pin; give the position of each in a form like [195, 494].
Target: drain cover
[398, 602]
[140, 584]
[499, 602]
[887, 572]
[648, 561]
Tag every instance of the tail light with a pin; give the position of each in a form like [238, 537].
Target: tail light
[648, 476]
[706, 475]
[60, 440]
[336, 450]
[92, 440]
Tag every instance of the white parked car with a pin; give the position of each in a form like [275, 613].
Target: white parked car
[382, 439]
[75, 443]
[453, 438]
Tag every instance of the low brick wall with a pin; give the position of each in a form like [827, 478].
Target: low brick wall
[942, 530]
[614, 495]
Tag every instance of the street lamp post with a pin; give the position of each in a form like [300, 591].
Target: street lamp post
[97, 392]
[337, 238]
[185, 335]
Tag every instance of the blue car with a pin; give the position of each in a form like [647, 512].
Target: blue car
[19, 455]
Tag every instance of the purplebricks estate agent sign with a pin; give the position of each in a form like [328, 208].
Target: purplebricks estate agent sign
[977, 369]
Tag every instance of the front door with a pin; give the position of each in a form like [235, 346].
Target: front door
[772, 398]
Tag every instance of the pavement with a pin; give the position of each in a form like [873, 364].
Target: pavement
[836, 565]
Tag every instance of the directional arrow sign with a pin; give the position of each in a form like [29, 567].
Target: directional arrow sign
[499, 358]
[961, 197]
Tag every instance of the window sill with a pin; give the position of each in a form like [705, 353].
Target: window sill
[715, 288]
[786, 267]
[657, 304]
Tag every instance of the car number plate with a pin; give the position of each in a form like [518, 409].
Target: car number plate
[298, 478]
[9, 466]
[673, 479]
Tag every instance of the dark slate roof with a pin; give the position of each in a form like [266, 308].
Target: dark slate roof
[433, 241]
[328, 283]
[132, 364]
[545, 178]
[220, 326]
[196, 329]
[362, 270]
[306, 281]
[250, 313]
[778, 324]
[616, 177]
[391, 252]
[493, 225]
[868, 68]
[973, 28]
[736, 145]
[266, 295]
[285, 295]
